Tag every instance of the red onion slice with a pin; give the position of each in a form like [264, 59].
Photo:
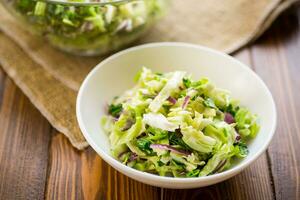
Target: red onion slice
[186, 102]
[115, 119]
[219, 166]
[128, 125]
[170, 148]
[132, 157]
[228, 118]
[237, 138]
[172, 100]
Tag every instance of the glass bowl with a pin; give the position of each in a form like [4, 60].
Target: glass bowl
[87, 27]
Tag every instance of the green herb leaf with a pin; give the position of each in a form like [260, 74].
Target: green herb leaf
[187, 82]
[231, 109]
[115, 110]
[242, 149]
[194, 173]
[157, 134]
[175, 139]
[160, 163]
[144, 145]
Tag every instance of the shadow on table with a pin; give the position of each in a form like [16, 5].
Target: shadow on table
[285, 27]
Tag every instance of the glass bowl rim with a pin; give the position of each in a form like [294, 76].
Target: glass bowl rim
[94, 3]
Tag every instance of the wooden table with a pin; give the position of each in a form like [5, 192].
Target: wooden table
[38, 162]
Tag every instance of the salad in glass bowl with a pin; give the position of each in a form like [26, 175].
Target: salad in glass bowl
[87, 27]
[171, 125]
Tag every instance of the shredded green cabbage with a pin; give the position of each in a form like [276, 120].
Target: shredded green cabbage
[170, 125]
[81, 28]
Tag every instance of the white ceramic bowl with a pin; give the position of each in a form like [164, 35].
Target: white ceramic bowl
[115, 74]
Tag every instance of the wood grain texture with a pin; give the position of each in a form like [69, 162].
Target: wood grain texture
[2, 85]
[84, 175]
[24, 138]
[253, 183]
[255, 178]
[276, 59]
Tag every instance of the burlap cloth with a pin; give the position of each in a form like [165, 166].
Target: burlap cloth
[51, 78]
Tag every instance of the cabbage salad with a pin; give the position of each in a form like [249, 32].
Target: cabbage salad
[171, 125]
[85, 28]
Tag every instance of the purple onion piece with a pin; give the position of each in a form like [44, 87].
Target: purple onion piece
[186, 102]
[128, 125]
[170, 148]
[115, 119]
[172, 100]
[132, 157]
[237, 138]
[219, 166]
[228, 118]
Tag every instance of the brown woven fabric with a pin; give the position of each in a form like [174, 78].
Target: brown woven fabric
[51, 78]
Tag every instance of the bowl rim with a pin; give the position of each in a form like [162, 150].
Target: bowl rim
[222, 175]
[74, 3]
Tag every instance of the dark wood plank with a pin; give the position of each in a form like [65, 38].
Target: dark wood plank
[253, 183]
[24, 139]
[276, 59]
[83, 175]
